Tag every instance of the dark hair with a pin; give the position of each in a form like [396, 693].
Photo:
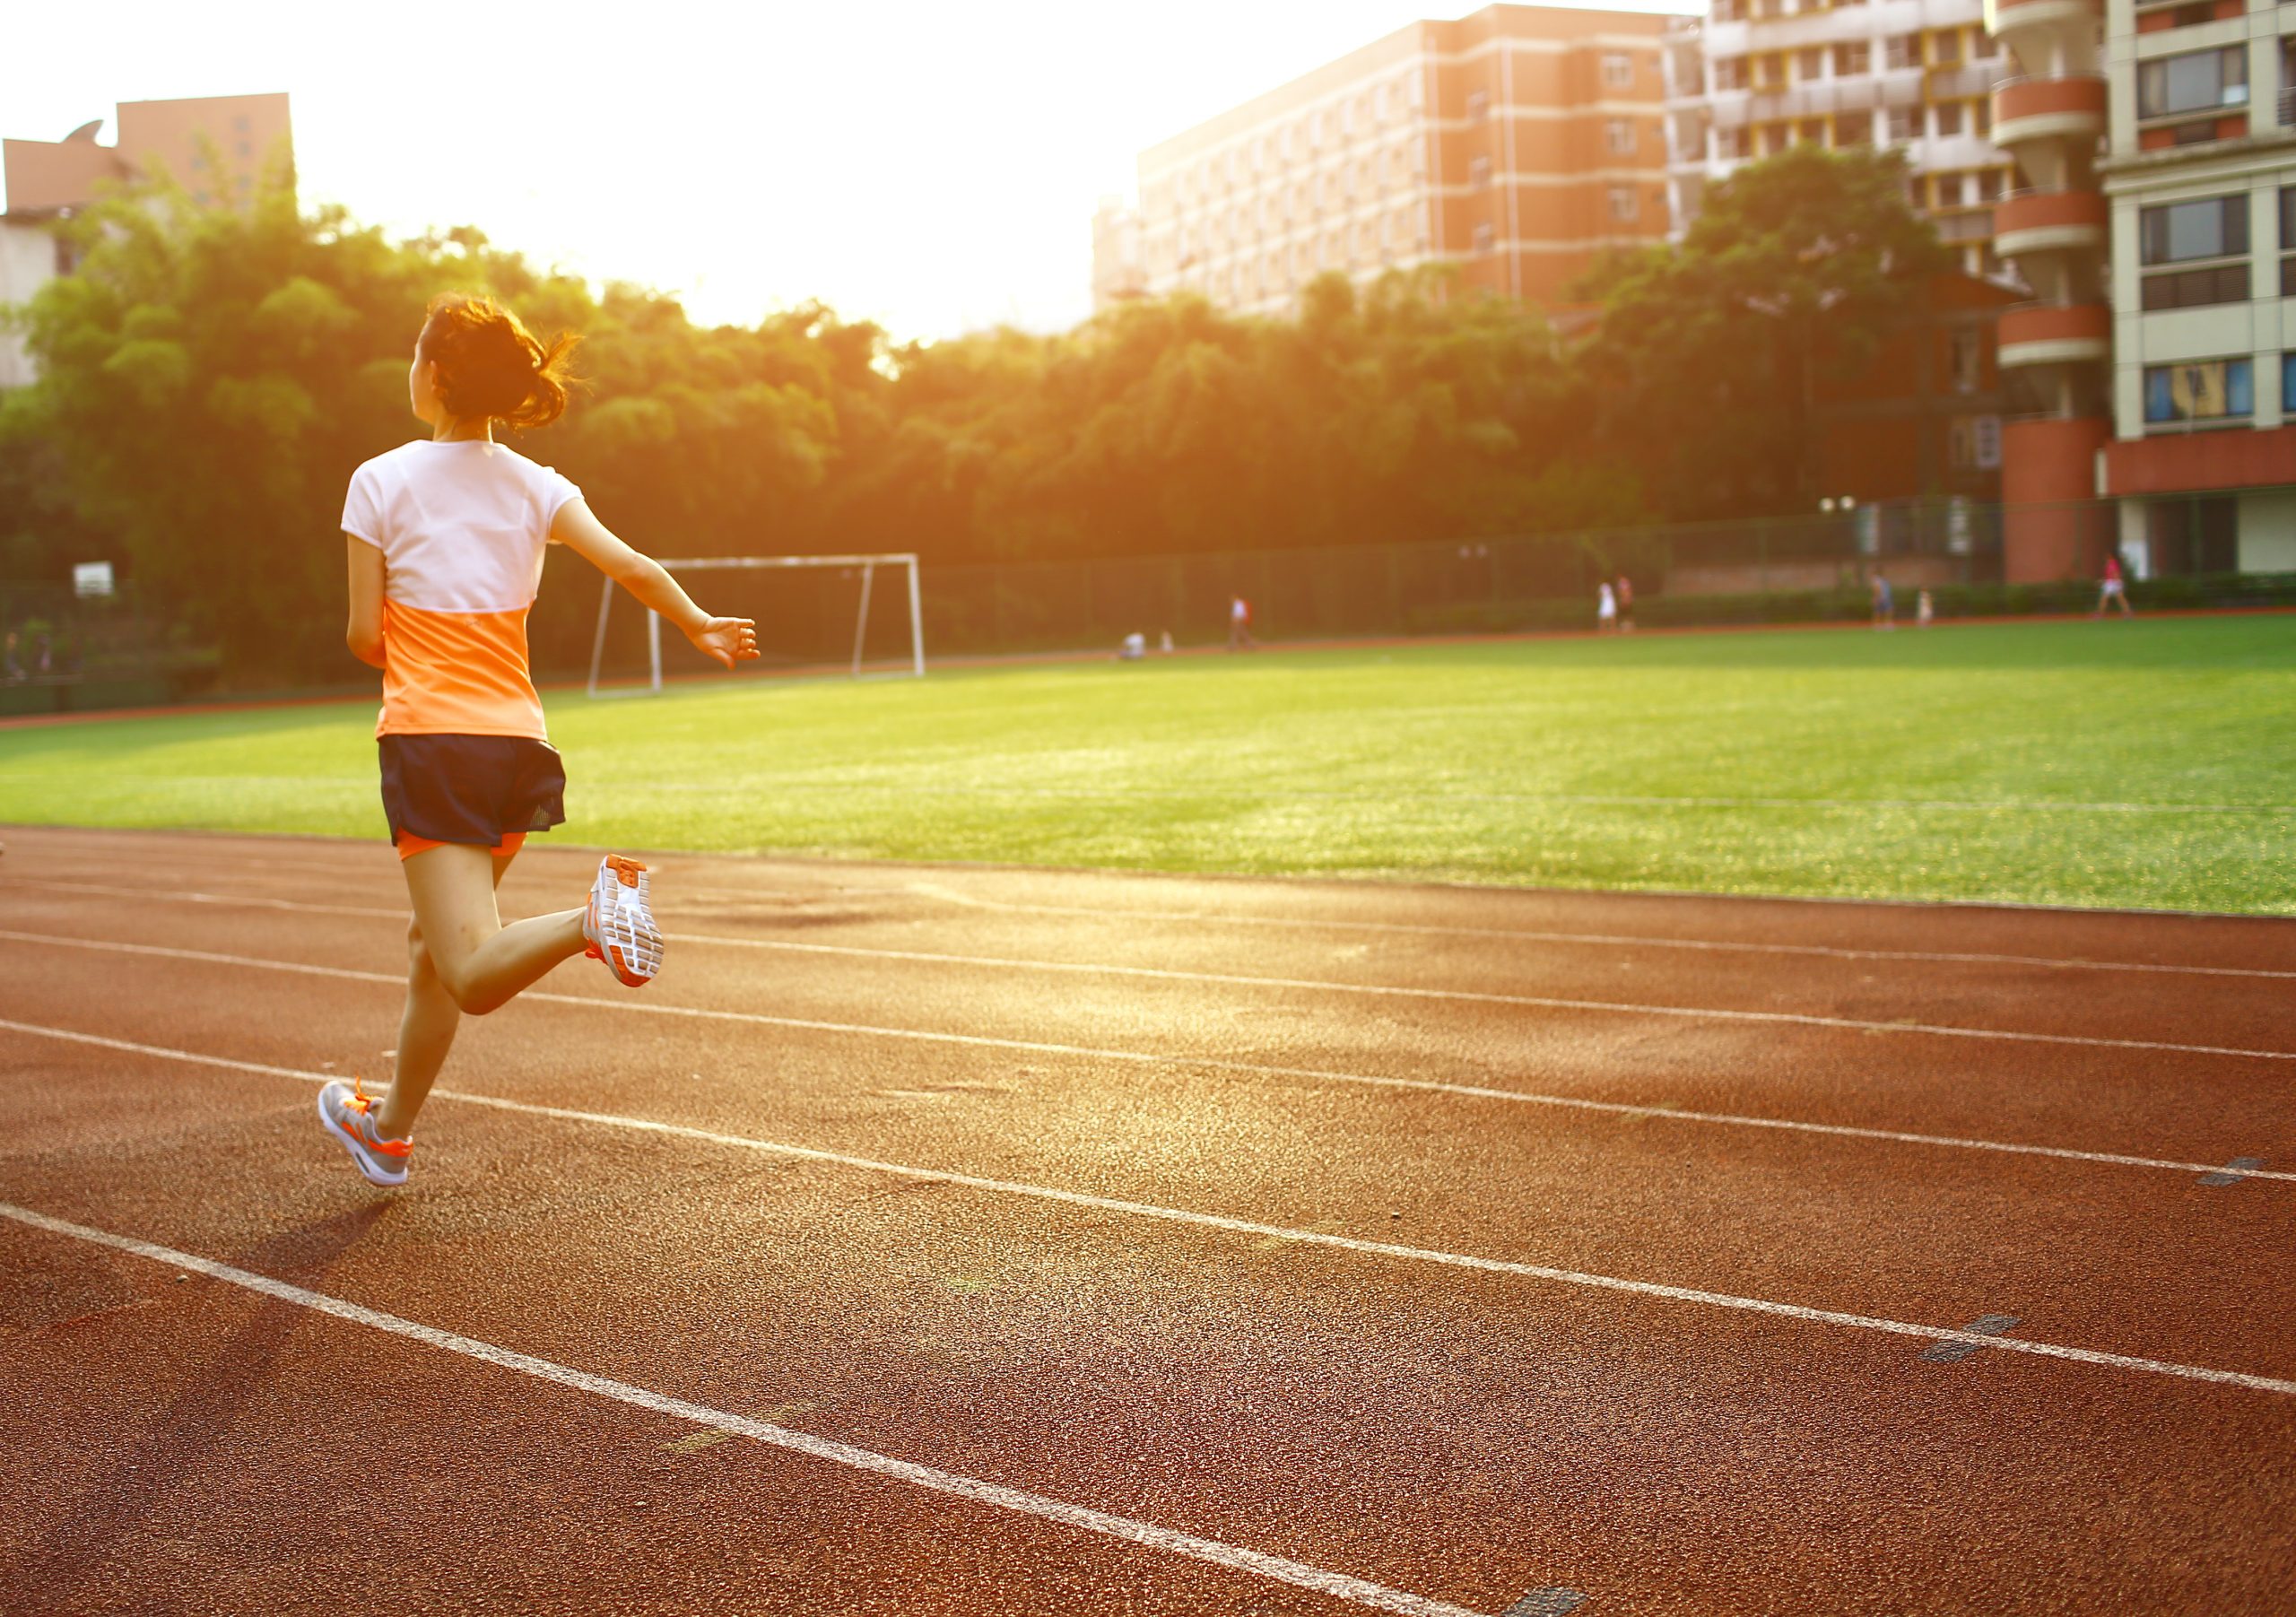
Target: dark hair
[491, 365]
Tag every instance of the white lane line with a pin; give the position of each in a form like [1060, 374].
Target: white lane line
[1641, 1111]
[1319, 1580]
[1602, 940]
[1214, 1220]
[1616, 1007]
[228, 900]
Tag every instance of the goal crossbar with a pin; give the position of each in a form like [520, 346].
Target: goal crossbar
[868, 566]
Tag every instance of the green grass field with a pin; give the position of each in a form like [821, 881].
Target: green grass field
[2149, 764]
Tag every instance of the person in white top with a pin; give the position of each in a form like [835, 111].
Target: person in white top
[444, 543]
[1605, 608]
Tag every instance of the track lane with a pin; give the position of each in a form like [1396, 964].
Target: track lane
[1664, 1464]
[242, 1409]
[2011, 993]
[2186, 1107]
[2150, 1265]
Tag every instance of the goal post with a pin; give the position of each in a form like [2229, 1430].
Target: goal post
[867, 566]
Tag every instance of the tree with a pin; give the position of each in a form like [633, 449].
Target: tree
[1711, 354]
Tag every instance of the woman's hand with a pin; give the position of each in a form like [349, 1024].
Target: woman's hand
[729, 640]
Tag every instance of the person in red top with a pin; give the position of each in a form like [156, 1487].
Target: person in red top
[445, 539]
[2113, 589]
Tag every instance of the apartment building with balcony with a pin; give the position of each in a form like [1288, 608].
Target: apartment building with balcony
[1521, 142]
[1755, 76]
[2200, 177]
[216, 147]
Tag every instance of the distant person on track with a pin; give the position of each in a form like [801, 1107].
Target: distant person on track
[1239, 625]
[446, 538]
[1605, 607]
[1625, 605]
[2113, 590]
[1925, 610]
[1885, 604]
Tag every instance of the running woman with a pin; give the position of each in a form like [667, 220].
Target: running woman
[446, 538]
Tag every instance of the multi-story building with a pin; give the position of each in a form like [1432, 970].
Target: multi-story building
[1756, 76]
[2157, 364]
[2200, 175]
[216, 147]
[1117, 275]
[1521, 142]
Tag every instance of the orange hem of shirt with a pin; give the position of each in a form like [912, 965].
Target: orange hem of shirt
[410, 845]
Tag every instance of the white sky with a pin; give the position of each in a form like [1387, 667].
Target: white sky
[933, 167]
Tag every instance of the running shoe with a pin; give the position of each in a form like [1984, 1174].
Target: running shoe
[618, 925]
[348, 1113]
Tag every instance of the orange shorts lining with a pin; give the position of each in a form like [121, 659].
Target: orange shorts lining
[410, 845]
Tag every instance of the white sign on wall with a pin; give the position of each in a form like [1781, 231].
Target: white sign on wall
[90, 579]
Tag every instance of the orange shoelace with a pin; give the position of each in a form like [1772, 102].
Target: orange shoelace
[363, 1103]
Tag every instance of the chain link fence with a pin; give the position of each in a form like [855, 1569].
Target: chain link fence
[67, 653]
[64, 651]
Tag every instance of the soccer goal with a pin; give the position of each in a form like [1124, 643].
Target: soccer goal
[866, 567]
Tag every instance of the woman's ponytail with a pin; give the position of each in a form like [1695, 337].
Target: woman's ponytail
[491, 366]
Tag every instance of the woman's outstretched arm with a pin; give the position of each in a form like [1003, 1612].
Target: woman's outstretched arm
[729, 640]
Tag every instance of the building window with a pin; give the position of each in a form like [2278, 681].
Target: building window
[1948, 119]
[1617, 135]
[2216, 228]
[2198, 288]
[1479, 172]
[1618, 69]
[1853, 128]
[1967, 361]
[1730, 144]
[1901, 51]
[2202, 391]
[1945, 48]
[1625, 206]
[2167, 86]
[1811, 132]
[1729, 73]
[2288, 246]
[1905, 124]
[1729, 11]
[1810, 64]
[1483, 237]
[1850, 60]
[1988, 186]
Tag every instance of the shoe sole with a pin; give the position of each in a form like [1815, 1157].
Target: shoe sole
[627, 936]
[360, 1157]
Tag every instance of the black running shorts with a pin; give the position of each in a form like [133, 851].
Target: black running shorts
[471, 788]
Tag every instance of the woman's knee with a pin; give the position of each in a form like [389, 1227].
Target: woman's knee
[462, 986]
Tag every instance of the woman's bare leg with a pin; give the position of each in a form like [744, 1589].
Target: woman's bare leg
[426, 1031]
[481, 962]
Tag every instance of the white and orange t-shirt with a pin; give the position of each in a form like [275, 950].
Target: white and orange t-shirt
[461, 525]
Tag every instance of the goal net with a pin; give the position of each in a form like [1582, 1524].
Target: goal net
[858, 614]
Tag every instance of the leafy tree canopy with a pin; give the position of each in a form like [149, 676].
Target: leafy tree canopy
[210, 378]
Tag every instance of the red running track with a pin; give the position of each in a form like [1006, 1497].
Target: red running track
[993, 1241]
